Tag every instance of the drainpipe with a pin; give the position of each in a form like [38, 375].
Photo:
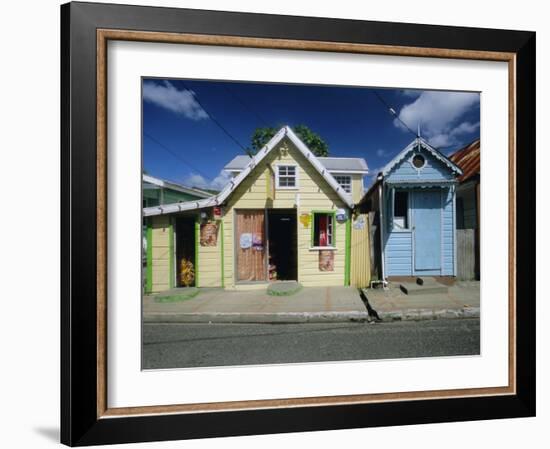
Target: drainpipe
[382, 227]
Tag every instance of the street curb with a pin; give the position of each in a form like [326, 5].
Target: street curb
[261, 318]
[428, 314]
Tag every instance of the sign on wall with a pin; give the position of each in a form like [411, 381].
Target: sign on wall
[209, 234]
[305, 219]
[326, 260]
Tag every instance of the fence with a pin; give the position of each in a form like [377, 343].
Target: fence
[360, 251]
[466, 254]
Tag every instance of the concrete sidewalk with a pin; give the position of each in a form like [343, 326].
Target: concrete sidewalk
[461, 301]
[309, 305]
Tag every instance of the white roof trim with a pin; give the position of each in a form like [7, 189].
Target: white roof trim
[348, 172]
[427, 146]
[172, 185]
[254, 161]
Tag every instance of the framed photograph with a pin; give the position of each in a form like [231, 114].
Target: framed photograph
[283, 224]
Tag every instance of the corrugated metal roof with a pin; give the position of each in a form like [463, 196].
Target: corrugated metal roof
[468, 160]
[332, 164]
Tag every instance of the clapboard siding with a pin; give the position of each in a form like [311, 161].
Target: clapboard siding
[209, 262]
[313, 194]
[399, 245]
[161, 253]
[399, 254]
[448, 231]
[434, 170]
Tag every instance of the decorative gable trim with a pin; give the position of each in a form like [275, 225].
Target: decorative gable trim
[254, 161]
[419, 141]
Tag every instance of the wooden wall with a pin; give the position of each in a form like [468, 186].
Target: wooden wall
[161, 243]
[315, 194]
[360, 270]
[465, 254]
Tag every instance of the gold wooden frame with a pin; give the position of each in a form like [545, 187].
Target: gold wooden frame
[104, 35]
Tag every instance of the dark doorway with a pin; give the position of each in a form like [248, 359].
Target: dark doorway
[282, 244]
[185, 251]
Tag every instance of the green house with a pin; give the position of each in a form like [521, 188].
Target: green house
[159, 191]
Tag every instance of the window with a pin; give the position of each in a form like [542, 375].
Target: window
[344, 181]
[323, 229]
[418, 161]
[400, 210]
[287, 177]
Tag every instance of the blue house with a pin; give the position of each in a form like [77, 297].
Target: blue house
[414, 197]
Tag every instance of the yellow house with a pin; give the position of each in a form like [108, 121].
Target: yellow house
[285, 215]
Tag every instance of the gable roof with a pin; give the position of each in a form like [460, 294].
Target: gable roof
[253, 162]
[332, 164]
[468, 159]
[419, 141]
[173, 186]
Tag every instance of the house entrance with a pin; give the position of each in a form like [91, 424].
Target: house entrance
[427, 230]
[282, 244]
[185, 251]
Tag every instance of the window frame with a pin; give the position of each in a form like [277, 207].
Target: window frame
[332, 215]
[344, 175]
[423, 156]
[408, 228]
[296, 177]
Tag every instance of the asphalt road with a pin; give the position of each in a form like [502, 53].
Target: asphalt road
[201, 345]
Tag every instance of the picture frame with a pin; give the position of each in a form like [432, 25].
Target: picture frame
[85, 30]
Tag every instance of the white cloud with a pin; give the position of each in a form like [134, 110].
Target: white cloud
[199, 181]
[412, 93]
[169, 97]
[381, 152]
[438, 114]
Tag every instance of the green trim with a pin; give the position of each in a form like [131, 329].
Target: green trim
[222, 253]
[149, 258]
[347, 265]
[197, 240]
[171, 256]
[328, 212]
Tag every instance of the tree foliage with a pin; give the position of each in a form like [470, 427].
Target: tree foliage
[313, 141]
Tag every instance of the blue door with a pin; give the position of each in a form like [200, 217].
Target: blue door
[427, 230]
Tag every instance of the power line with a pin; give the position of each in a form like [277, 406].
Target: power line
[392, 112]
[176, 155]
[245, 106]
[227, 133]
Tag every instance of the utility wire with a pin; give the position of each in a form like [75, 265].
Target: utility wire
[244, 105]
[392, 112]
[227, 133]
[176, 155]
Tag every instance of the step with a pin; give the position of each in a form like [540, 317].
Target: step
[423, 286]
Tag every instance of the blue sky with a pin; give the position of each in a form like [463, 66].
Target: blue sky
[182, 141]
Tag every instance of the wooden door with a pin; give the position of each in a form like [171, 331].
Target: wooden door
[250, 246]
[427, 230]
